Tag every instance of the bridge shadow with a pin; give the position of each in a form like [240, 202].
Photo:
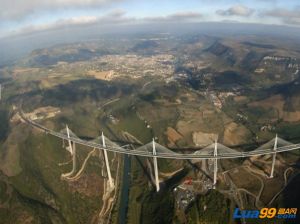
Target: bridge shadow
[175, 179]
[144, 170]
[196, 168]
[167, 184]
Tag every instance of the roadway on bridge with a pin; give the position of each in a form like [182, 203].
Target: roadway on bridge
[164, 152]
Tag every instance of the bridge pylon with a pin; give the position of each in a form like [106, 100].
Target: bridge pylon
[111, 183]
[74, 157]
[215, 164]
[274, 156]
[155, 166]
[72, 150]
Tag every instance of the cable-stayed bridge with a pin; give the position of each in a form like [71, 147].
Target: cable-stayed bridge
[154, 150]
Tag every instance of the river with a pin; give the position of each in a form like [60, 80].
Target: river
[125, 190]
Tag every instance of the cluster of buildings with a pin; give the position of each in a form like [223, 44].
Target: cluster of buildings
[135, 66]
[278, 58]
[184, 195]
[43, 113]
[289, 62]
[189, 189]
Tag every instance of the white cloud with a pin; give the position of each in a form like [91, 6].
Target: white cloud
[283, 13]
[237, 10]
[287, 16]
[112, 18]
[176, 17]
[18, 9]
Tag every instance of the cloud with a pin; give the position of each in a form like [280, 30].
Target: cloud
[175, 17]
[18, 9]
[113, 17]
[237, 10]
[283, 13]
[287, 16]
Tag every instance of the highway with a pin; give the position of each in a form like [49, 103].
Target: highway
[166, 155]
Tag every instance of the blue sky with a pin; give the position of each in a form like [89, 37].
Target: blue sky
[23, 16]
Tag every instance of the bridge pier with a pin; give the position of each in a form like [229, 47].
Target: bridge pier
[215, 165]
[107, 162]
[74, 158]
[72, 150]
[69, 141]
[155, 166]
[274, 156]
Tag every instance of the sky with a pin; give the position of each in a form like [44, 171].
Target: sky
[19, 17]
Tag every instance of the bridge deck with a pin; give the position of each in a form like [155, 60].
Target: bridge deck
[163, 153]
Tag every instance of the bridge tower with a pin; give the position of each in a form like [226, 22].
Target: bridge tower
[72, 150]
[155, 166]
[74, 157]
[215, 164]
[274, 156]
[107, 162]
